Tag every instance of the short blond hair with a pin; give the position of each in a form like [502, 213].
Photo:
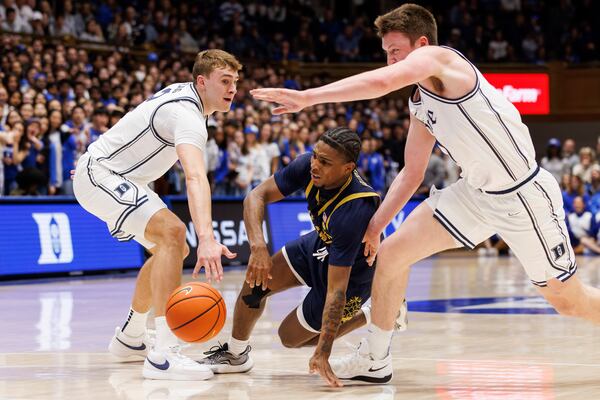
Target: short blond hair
[209, 60]
[412, 20]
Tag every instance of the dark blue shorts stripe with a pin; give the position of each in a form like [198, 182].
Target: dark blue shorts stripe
[452, 229]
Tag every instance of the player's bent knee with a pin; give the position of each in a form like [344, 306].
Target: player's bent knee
[186, 250]
[287, 341]
[173, 234]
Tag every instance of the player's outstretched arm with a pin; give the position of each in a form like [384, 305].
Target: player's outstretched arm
[417, 66]
[199, 198]
[419, 144]
[337, 282]
[259, 265]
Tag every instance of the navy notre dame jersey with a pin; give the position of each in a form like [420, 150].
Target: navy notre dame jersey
[340, 216]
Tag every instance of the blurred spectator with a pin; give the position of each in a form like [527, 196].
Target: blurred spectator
[12, 23]
[575, 188]
[580, 223]
[587, 160]
[370, 164]
[498, 48]
[346, 45]
[98, 126]
[569, 155]
[55, 152]
[93, 33]
[552, 161]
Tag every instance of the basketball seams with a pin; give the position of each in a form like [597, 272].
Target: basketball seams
[190, 297]
[199, 315]
[196, 324]
[202, 285]
[213, 326]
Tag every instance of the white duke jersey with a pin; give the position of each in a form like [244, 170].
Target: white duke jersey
[141, 146]
[482, 132]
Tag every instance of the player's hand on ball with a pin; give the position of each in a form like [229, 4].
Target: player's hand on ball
[259, 267]
[372, 241]
[289, 100]
[209, 256]
[319, 363]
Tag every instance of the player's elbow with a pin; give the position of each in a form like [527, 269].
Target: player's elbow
[250, 199]
[382, 85]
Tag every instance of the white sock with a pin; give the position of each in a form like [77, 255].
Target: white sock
[367, 313]
[135, 325]
[164, 337]
[379, 341]
[237, 347]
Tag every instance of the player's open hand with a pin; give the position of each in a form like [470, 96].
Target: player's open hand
[209, 256]
[289, 100]
[259, 267]
[319, 363]
[372, 240]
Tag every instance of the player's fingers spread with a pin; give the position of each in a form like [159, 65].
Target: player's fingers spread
[279, 110]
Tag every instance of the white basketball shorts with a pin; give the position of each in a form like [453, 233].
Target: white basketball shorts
[530, 218]
[125, 206]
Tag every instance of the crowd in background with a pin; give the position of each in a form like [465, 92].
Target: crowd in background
[312, 30]
[57, 99]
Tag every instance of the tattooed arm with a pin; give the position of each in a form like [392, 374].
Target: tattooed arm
[335, 301]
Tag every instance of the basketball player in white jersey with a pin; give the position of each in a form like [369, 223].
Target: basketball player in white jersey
[502, 189]
[111, 182]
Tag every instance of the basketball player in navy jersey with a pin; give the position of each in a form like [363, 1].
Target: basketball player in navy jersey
[502, 189]
[330, 259]
[111, 181]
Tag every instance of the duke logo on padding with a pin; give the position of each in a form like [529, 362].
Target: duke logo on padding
[55, 238]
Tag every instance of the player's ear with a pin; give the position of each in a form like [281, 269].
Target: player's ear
[201, 81]
[422, 41]
[349, 167]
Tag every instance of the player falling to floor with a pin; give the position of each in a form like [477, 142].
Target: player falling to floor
[502, 189]
[111, 182]
[330, 260]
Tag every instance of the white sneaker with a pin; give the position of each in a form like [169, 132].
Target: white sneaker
[172, 365]
[401, 323]
[128, 348]
[359, 366]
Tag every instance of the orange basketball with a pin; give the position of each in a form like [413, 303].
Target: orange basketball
[196, 312]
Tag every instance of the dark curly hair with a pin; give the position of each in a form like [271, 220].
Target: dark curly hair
[344, 140]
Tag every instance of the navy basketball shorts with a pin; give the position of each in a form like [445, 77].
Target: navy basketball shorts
[308, 259]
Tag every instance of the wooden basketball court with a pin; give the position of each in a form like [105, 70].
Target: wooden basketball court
[477, 330]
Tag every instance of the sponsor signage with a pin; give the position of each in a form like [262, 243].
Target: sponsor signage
[59, 237]
[530, 93]
[290, 219]
[228, 227]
